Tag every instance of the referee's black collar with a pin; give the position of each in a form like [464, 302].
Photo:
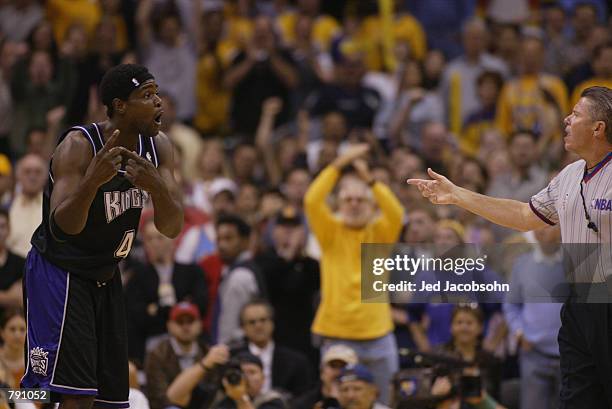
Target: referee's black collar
[588, 175]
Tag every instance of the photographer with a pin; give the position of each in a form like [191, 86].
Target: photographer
[466, 331]
[243, 382]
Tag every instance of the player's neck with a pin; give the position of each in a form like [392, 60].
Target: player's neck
[128, 136]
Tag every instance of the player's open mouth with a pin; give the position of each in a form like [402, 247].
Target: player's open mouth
[158, 117]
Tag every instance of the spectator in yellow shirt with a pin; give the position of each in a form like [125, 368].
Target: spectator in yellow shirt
[342, 318]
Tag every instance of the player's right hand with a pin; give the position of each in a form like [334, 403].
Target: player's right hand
[107, 162]
[440, 190]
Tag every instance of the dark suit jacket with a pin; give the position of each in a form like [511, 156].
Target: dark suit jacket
[161, 368]
[291, 371]
[142, 291]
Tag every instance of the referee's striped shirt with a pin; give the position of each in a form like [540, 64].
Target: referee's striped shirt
[560, 202]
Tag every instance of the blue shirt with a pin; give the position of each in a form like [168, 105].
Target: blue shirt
[535, 275]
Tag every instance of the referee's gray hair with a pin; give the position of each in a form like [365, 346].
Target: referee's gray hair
[600, 106]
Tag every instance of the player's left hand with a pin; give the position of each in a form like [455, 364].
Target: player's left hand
[142, 173]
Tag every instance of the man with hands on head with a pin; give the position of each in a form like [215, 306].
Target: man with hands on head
[342, 318]
[100, 177]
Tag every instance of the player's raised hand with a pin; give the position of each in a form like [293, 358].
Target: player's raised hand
[142, 173]
[107, 162]
[439, 190]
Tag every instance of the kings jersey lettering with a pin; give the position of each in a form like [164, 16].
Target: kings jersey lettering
[117, 202]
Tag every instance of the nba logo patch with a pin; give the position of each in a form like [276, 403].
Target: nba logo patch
[148, 155]
[39, 361]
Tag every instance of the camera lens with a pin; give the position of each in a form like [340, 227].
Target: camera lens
[233, 376]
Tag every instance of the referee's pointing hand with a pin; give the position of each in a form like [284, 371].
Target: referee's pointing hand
[440, 190]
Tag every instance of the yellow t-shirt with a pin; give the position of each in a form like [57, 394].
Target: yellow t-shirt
[593, 82]
[521, 100]
[63, 13]
[341, 313]
[323, 30]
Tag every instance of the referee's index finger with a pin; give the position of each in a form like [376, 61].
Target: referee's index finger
[417, 181]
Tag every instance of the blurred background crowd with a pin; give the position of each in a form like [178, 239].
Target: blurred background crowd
[295, 125]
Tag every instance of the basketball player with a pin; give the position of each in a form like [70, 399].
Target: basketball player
[579, 198]
[100, 177]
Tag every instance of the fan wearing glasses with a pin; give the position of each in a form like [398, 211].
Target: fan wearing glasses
[579, 199]
[285, 370]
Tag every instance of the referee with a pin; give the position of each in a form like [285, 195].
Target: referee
[579, 198]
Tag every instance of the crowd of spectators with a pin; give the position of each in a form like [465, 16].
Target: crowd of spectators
[295, 125]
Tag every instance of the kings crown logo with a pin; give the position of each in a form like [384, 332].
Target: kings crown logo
[39, 361]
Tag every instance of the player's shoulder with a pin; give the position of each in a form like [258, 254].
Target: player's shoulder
[75, 147]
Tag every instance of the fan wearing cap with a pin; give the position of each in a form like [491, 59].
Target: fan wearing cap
[177, 365]
[248, 393]
[357, 389]
[332, 363]
[100, 177]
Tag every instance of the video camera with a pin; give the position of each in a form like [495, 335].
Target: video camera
[413, 387]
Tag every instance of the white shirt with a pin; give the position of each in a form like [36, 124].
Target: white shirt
[265, 354]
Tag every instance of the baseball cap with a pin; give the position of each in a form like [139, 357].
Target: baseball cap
[289, 215]
[5, 165]
[184, 308]
[222, 185]
[356, 372]
[342, 353]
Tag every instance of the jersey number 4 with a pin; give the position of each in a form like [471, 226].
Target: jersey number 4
[126, 244]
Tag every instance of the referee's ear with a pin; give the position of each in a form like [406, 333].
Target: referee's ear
[599, 131]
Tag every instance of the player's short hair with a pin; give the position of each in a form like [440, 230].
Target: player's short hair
[120, 81]
[600, 107]
[256, 302]
[244, 230]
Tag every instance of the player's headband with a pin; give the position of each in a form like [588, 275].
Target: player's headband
[124, 86]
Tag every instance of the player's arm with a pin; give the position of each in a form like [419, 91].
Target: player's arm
[160, 183]
[505, 212]
[76, 179]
